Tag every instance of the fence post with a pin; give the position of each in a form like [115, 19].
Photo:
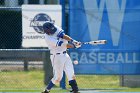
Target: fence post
[122, 80]
[48, 71]
[25, 65]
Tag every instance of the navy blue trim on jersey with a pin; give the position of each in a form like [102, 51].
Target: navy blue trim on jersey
[59, 43]
[61, 34]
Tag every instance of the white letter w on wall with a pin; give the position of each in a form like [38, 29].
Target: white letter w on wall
[94, 15]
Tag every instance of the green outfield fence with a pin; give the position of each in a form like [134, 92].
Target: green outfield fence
[20, 71]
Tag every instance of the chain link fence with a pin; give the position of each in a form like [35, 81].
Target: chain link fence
[16, 71]
[17, 74]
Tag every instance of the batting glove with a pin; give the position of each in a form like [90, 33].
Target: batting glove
[76, 43]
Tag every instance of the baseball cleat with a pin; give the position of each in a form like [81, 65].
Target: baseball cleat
[45, 91]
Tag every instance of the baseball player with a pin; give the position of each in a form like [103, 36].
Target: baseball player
[58, 42]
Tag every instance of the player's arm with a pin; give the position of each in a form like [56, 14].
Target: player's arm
[74, 43]
[68, 38]
[57, 43]
[61, 34]
[70, 46]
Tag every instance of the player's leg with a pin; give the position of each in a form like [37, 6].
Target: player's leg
[51, 84]
[69, 70]
[57, 65]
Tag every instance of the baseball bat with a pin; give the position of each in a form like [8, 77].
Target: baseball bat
[97, 42]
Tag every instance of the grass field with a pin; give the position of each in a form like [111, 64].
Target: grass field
[32, 81]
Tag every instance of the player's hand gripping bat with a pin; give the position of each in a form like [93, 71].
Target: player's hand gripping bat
[98, 42]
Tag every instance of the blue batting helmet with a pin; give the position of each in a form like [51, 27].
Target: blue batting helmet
[49, 28]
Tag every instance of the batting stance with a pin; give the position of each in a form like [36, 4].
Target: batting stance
[58, 42]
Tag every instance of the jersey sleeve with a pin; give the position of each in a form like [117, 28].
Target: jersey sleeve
[60, 32]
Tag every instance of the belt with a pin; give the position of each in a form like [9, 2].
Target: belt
[60, 53]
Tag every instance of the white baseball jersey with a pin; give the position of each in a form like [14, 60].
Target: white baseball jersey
[59, 58]
[55, 42]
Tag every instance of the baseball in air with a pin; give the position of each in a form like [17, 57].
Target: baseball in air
[75, 62]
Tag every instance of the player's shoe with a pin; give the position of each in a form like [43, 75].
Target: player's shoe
[45, 91]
